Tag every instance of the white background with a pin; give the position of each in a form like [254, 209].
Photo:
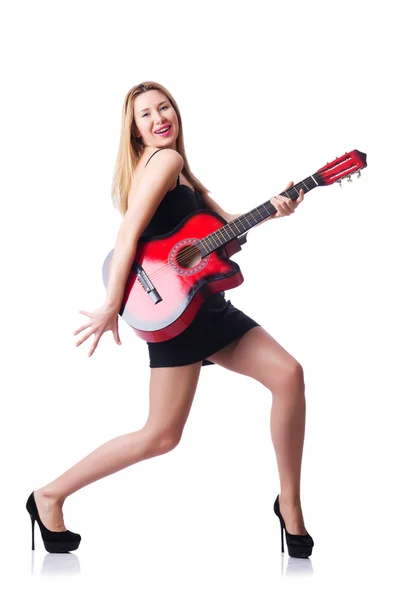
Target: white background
[268, 92]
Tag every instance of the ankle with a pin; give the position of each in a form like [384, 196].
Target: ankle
[51, 495]
[290, 499]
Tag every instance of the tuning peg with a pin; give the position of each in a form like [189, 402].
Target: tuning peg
[340, 182]
[349, 178]
[358, 174]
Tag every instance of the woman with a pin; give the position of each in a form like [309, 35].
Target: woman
[154, 189]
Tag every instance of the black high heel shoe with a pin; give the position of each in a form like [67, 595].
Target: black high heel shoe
[54, 541]
[299, 546]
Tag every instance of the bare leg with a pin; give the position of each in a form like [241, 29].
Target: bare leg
[112, 456]
[287, 423]
[172, 391]
[256, 354]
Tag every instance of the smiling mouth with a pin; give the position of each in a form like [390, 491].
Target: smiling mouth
[163, 130]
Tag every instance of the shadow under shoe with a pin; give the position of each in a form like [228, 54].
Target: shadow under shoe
[299, 546]
[54, 541]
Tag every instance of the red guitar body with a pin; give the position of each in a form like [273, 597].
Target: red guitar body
[182, 287]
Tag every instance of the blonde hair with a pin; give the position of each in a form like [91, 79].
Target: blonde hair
[131, 147]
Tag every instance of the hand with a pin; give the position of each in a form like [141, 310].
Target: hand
[284, 205]
[103, 319]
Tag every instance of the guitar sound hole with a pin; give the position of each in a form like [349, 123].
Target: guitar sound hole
[188, 257]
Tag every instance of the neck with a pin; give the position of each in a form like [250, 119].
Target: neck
[244, 222]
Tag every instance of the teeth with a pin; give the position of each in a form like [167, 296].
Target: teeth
[162, 130]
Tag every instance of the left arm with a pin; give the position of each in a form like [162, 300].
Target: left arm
[284, 206]
[212, 205]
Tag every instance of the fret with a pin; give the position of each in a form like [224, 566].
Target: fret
[246, 218]
[229, 225]
[216, 233]
[221, 232]
[238, 221]
[269, 208]
[204, 241]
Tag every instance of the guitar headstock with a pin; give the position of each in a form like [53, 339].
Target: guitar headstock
[341, 168]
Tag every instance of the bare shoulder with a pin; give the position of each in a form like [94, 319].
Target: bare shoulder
[155, 180]
[152, 156]
[148, 165]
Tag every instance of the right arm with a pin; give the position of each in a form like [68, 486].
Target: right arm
[157, 178]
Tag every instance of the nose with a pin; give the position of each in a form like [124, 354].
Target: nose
[159, 118]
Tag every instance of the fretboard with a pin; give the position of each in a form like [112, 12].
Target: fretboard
[244, 222]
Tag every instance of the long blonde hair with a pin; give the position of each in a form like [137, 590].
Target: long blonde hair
[131, 147]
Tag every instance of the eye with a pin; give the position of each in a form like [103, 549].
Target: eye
[165, 106]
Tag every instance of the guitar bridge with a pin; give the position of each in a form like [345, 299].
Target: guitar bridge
[146, 283]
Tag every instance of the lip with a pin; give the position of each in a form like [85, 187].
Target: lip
[166, 133]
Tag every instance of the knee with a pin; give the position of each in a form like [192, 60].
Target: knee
[161, 442]
[292, 376]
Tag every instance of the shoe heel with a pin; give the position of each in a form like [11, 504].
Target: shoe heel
[282, 537]
[33, 520]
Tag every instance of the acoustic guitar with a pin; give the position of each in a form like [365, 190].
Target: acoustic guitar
[172, 274]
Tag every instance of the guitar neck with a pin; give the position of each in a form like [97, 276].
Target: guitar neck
[244, 222]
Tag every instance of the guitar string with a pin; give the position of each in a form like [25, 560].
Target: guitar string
[192, 250]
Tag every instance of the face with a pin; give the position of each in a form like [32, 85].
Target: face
[153, 112]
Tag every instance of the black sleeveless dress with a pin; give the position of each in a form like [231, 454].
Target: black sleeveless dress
[217, 322]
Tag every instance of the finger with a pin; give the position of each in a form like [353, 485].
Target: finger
[287, 205]
[93, 347]
[274, 203]
[291, 205]
[280, 210]
[116, 337]
[83, 339]
[81, 329]
[84, 312]
[291, 183]
[277, 205]
[301, 197]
